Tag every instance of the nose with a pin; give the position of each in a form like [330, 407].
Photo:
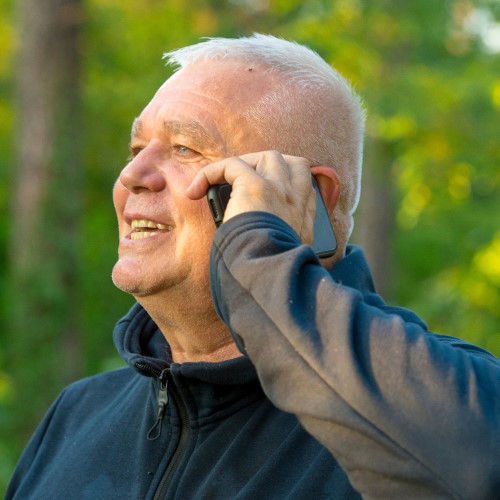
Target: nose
[143, 173]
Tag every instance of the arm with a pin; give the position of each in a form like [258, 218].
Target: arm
[405, 413]
[23, 477]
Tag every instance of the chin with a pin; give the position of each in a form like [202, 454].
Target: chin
[133, 283]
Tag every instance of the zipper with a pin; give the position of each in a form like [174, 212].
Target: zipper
[155, 431]
[162, 400]
[179, 450]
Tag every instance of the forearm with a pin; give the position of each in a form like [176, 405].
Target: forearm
[401, 410]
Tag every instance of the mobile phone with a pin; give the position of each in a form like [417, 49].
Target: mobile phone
[324, 242]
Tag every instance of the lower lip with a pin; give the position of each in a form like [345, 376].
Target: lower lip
[144, 235]
[152, 237]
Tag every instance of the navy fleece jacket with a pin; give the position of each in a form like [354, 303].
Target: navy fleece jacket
[336, 390]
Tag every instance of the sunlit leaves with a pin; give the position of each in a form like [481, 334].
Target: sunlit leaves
[6, 388]
[487, 260]
[413, 204]
[495, 94]
[392, 128]
[459, 181]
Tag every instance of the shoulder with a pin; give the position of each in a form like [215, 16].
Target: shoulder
[103, 387]
[93, 402]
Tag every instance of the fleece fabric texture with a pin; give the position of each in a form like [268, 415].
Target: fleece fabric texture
[336, 395]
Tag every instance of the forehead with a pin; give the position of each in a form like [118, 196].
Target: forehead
[208, 99]
[230, 82]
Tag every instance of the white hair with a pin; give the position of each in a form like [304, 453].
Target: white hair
[314, 112]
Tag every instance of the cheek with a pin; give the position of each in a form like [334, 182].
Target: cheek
[202, 226]
[120, 194]
[206, 225]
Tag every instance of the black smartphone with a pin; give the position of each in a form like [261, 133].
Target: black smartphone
[325, 241]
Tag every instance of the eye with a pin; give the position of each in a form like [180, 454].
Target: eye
[185, 152]
[182, 149]
[134, 151]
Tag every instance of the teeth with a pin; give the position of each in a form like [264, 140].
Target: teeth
[138, 226]
[139, 235]
[143, 223]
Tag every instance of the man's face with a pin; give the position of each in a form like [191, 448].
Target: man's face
[195, 118]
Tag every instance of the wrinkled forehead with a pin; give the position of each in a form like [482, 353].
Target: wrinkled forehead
[233, 83]
[219, 97]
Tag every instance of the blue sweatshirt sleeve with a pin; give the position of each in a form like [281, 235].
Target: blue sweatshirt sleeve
[405, 412]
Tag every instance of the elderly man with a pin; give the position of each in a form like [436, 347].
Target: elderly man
[255, 368]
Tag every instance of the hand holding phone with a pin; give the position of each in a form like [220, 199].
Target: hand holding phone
[324, 239]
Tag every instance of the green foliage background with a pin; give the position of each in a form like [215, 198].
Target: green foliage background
[429, 73]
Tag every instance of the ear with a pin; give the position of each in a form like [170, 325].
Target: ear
[329, 185]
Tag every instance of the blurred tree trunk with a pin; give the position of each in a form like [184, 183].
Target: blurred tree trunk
[47, 205]
[376, 214]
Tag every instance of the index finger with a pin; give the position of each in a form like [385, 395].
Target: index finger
[227, 170]
[279, 167]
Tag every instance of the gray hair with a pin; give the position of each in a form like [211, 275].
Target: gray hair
[314, 112]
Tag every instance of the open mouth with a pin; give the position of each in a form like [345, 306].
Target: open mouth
[143, 228]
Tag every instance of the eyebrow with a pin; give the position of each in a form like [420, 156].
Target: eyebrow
[136, 127]
[191, 129]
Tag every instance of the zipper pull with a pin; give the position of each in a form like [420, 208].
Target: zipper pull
[155, 431]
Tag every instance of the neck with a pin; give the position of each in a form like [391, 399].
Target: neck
[194, 333]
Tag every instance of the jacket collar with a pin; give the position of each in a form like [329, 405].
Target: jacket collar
[141, 343]
[143, 347]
